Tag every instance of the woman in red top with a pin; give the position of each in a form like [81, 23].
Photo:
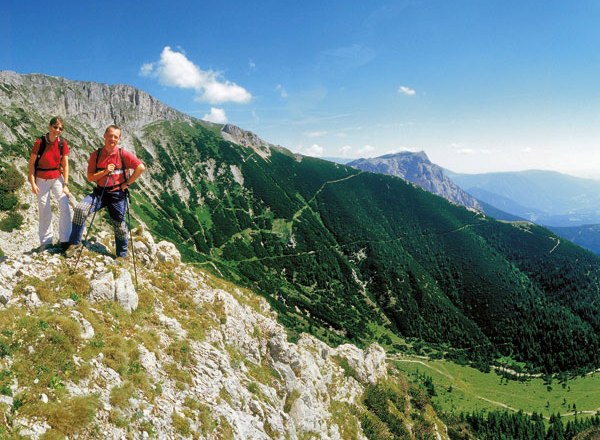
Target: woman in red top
[49, 175]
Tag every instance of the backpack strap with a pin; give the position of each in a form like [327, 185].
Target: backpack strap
[123, 165]
[98, 157]
[42, 149]
[123, 168]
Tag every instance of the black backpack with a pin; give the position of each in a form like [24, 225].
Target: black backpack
[61, 147]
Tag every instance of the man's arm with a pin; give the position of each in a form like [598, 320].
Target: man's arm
[136, 173]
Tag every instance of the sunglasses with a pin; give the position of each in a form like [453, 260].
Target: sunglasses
[57, 127]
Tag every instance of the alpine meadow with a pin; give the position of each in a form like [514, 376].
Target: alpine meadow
[344, 255]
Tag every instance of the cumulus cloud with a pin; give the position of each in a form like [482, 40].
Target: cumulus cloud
[146, 69]
[216, 115]
[366, 150]
[407, 91]
[314, 150]
[345, 150]
[174, 69]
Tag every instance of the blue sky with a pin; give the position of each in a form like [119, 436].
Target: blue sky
[478, 85]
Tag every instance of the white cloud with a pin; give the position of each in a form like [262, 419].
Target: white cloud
[364, 151]
[527, 150]
[314, 150]
[218, 92]
[345, 150]
[216, 115]
[174, 69]
[407, 91]
[465, 151]
[146, 69]
[281, 90]
[251, 65]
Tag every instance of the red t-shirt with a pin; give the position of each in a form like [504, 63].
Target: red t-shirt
[50, 158]
[117, 177]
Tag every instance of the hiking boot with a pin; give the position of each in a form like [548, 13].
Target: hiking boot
[72, 249]
[43, 247]
[121, 259]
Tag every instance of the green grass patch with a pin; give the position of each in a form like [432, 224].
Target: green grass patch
[465, 389]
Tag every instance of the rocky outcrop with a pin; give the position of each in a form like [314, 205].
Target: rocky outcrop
[418, 169]
[247, 139]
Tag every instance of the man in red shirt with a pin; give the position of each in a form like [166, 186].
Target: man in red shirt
[107, 167]
[49, 175]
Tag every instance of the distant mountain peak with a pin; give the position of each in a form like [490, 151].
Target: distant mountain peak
[418, 169]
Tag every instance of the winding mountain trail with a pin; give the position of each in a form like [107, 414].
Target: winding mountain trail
[556, 245]
[298, 213]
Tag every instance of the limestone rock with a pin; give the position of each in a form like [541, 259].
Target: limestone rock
[5, 295]
[125, 293]
[167, 252]
[103, 287]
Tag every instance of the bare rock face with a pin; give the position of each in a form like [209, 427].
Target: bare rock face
[98, 105]
[417, 168]
[247, 139]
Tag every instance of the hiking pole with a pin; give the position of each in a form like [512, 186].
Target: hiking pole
[87, 232]
[128, 201]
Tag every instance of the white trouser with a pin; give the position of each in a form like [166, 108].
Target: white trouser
[54, 186]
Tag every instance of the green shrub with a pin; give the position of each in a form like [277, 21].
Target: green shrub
[13, 221]
[10, 179]
[8, 201]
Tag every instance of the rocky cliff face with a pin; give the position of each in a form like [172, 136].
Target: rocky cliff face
[246, 139]
[418, 169]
